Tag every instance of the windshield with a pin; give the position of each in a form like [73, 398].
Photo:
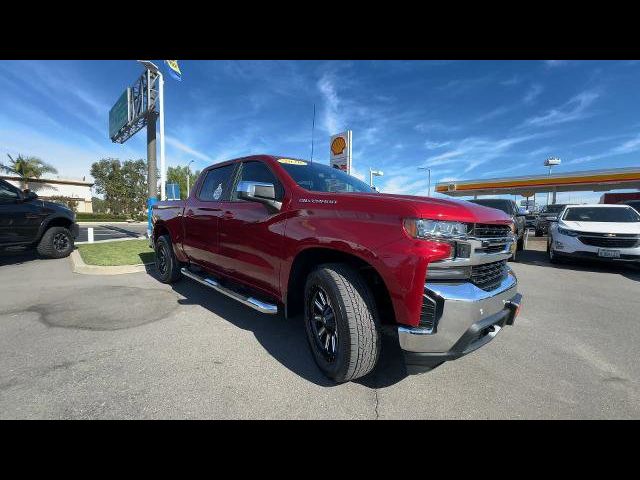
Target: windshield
[317, 177]
[504, 205]
[557, 208]
[601, 214]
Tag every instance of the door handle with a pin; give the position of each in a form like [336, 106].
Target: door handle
[227, 215]
[210, 209]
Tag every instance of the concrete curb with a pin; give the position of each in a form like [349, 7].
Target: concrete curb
[111, 240]
[78, 266]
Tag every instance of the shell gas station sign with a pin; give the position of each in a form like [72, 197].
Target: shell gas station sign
[340, 151]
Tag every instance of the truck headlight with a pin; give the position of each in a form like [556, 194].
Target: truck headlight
[434, 229]
[568, 233]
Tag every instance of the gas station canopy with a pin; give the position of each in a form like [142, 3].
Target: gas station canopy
[585, 181]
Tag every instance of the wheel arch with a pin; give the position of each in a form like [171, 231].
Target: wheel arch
[54, 222]
[308, 259]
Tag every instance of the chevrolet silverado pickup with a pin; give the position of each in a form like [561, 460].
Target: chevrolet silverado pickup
[28, 222]
[301, 238]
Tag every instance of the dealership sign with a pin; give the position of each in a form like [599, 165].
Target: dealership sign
[340, 151]
[120, 113]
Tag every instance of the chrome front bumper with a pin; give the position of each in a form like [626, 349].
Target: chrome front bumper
[470, 318]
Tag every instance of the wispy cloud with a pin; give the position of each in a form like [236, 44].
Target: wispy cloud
[555, 63]
[511, 81]
[496, 112]
[472, 152]
[572, 110]
[629, 146]
[532, 94]
[430, 145]
[332, 121]
[174, 142]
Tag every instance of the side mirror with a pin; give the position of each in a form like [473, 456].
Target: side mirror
[259, 192]
[552, 219]
[28, 195]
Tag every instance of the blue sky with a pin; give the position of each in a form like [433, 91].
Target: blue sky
[463, 119]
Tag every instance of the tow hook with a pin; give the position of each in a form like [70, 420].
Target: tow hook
[514, 306]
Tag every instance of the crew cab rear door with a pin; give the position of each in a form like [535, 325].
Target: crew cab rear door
[202, 214]
[251, 235]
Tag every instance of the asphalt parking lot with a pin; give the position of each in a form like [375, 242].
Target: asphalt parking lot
[111, 231]
[127, 346]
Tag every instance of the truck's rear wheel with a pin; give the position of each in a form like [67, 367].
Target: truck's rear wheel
[57, 242]
[341, 323]
[167, 264]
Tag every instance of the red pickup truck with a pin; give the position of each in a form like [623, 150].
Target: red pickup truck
[286, 235]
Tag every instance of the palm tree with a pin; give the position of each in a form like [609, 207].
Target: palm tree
[27, 168]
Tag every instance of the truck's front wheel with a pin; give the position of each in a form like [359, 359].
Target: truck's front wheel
[167, 264]
[341, 323]
[57, 242]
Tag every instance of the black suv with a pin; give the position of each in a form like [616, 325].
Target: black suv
[26, 221]
[510, 208]
[547, 214]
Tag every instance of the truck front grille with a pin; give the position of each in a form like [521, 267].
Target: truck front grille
[610, 242]
[489, 275]
[488, 230]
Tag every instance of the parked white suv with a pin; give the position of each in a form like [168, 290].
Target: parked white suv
[600, 231]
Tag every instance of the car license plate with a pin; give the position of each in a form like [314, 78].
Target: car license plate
[608, 253]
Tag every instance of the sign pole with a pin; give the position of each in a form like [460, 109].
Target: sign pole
[163, 169]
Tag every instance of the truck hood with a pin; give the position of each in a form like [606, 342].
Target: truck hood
[602, 227]
[429, 207]
[54, 207]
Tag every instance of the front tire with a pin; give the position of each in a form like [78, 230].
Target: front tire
[341, 322]
[167, 264]
[57, 242]
[553, 258]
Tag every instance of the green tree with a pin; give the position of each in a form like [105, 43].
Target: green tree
[98, 205]
[179, 175]
[134, 175]
[123, 185]
[27, 168]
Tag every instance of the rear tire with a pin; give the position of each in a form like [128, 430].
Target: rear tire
[167, 265]
[341, 322]
[57, 242]
[538, 233]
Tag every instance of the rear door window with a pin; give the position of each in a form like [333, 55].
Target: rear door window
[215, 187]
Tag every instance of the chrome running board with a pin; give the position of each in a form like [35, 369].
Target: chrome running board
[254, 303]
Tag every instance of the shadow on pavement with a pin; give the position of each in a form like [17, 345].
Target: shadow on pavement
[18, 257]
[540, 258]
[286, 339]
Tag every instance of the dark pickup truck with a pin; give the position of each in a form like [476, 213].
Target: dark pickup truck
[27, 222]
[510, 208]
[286, 235]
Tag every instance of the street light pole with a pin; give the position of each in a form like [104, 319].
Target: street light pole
[429, 184]
[551, 162]
[374, 173]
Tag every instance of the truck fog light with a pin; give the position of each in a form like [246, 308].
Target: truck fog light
[463, 250]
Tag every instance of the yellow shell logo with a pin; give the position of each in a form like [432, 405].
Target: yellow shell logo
[338, 145]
